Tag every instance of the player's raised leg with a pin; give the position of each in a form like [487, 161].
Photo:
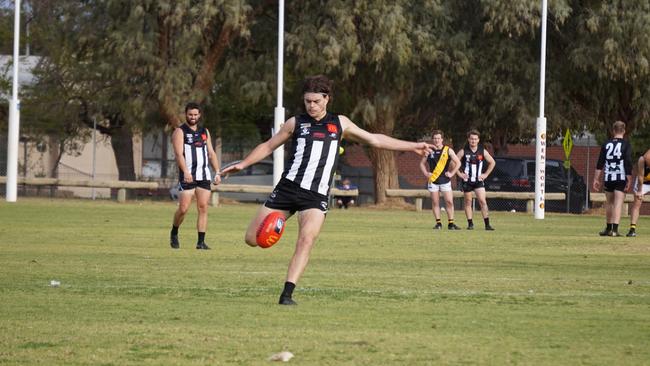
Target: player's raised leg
[251, 232]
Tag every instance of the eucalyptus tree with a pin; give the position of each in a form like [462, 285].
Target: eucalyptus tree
[376, 51]
[606, 74]
[131, 65]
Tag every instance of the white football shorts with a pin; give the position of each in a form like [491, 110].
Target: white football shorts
[645, 189]
[445, 187]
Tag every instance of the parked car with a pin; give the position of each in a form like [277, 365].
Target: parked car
[518, 175]
[260, 173]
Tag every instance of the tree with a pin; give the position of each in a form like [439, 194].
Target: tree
[131, 65]
[607, 76]
[378, 52]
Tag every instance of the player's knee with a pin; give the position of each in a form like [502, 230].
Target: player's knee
[305, 241]
[250, 239]
[182, 210]
[203, 208]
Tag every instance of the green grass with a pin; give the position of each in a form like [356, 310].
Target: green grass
[381, 289]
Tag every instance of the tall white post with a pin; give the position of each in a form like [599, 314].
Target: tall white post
[278, 120]
[540, 134]
[95, 154]
[14, 117]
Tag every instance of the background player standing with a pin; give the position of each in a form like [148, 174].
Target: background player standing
[472, 158]
[193, 150]
[439, 166]
[615, 161]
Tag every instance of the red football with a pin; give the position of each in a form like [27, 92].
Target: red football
[271, 229]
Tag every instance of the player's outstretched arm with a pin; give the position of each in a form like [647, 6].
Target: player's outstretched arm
[353, 132]
[264, 149]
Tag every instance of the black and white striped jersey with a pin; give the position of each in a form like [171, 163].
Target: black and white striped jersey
[472, 162]
[195, 152]
[615, 160]
[314, 152]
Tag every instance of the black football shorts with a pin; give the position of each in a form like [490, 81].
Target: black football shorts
[289, 196]
[615, 185]
[471, 186]
[205, 184]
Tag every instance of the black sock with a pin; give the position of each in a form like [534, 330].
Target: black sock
[288, 289]
[450, 222]
[609, 227]
[437, 221]
[615, 227]
[470, 222]
[174, 230]
[201, 237]
[486, 221]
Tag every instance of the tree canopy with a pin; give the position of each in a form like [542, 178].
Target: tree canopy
[400, 67]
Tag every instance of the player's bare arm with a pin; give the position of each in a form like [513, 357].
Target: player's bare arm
[264, 149]
[424, 167]
[596, 183]
[455, 163]
[214, 161]
[640, 167]
[177, 144]
[460, 173]
[490, 167]
[354, 133]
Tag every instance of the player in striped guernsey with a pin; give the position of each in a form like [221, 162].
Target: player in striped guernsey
[473, 173]
[615, 168]
[304, 187]
[193, 151]
[641, 188]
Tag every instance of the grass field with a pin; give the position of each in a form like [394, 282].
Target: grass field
[381, 289]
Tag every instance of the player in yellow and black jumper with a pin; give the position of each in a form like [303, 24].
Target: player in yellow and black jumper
[641, 188]
[439, 166]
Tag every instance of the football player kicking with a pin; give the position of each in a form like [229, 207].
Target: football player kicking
[304, 187]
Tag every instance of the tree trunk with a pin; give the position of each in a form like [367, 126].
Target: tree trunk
[122, 143]
[385, 169]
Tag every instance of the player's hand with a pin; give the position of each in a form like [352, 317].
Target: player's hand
[217, 179]
[187, 178]
[596, 185]
[423, 149]
[232, 170]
